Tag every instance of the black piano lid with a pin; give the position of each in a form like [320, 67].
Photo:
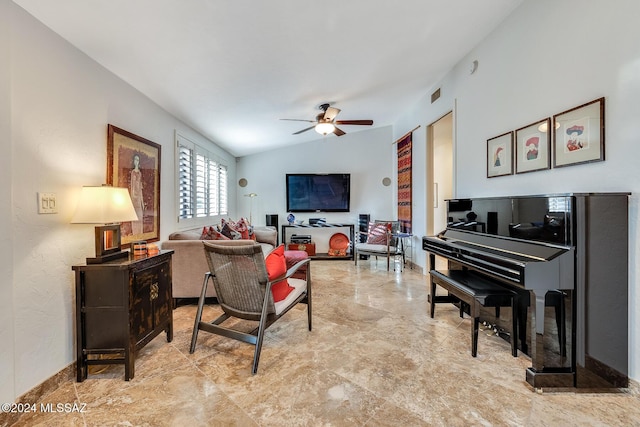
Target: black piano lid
[514, 249]
[530, 218]
[545, 218]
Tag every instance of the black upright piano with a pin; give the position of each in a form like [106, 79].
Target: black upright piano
[567, 257]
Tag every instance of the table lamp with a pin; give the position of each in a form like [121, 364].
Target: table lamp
[108, 206]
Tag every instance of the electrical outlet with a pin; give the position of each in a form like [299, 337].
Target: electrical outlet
[47, 203]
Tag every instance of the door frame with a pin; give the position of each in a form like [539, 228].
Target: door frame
[431, 189]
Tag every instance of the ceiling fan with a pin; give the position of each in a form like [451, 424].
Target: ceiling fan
[325, 122]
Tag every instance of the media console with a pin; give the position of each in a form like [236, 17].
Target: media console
[320, 235]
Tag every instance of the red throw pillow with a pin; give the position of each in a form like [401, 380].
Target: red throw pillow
[205, 234]
[277, 266]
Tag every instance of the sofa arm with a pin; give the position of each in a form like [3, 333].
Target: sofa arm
[266, 235]
[189, 265]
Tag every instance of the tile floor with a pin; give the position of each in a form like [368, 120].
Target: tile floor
[374, 358]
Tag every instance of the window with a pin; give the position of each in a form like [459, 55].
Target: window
[202, 181]
[559, 204]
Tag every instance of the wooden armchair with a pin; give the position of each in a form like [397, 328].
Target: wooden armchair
[244, 291]
[380, 241]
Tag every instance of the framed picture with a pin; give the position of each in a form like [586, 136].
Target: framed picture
[532, 147]
[500, 155]
[579, 135]
[134, 163]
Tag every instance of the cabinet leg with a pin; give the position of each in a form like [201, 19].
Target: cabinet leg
[81, 370]
[129, 363]
[169, 332]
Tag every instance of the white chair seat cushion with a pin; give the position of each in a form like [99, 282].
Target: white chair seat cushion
[299, 286]
[368, 247]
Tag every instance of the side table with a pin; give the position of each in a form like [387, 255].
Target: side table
[120, 307]
[405, 240]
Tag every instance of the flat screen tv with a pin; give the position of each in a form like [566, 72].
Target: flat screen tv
[318, 192]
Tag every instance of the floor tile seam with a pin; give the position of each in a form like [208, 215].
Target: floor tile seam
[222, 391]
[367, 389]
[77, 394]
[194, 365]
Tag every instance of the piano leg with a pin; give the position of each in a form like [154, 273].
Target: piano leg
[474, 336]
[537, 375]
[537, 333]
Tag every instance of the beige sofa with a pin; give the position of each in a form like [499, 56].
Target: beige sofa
[189, 263]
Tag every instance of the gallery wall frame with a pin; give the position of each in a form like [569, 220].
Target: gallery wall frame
[533, 143]
[134, 162]
[578, 136]
[500, 155]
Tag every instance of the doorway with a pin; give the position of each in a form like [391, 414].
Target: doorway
[440, 173]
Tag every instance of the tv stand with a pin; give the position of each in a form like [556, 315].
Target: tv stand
[320, 235]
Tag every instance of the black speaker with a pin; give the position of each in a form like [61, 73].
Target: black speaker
[363, 227]
[272, 221]
[492, 222]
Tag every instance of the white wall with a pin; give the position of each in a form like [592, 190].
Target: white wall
[368, 155]
[547, 57]
[6, 236]
[55, 104]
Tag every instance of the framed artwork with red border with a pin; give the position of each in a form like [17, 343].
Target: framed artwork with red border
[579, 135]
[500, 155]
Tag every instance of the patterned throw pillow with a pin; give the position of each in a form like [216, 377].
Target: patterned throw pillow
[377, 233]
[210, 233]
[230, 228]
[229, 232]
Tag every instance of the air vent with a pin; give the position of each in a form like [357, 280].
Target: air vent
[435, 95]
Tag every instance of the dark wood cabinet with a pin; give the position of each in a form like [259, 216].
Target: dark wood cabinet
[120, 307]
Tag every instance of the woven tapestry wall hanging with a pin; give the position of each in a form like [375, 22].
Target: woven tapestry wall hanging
[404, 183]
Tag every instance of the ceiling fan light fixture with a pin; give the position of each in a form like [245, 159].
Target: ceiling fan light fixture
[325, 128]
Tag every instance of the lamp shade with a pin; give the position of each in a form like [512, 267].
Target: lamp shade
[325, 128]
[104, 205]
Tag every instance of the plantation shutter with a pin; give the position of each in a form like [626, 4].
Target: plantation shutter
[222, 190]
[202, 182]
[185, 186]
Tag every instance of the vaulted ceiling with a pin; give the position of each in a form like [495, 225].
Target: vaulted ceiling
[232, 69]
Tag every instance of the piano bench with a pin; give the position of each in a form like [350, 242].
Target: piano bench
[474, 290]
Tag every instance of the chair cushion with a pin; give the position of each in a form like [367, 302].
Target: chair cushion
[299, 286]
[277, 266]
[377, 233]
[367, 247]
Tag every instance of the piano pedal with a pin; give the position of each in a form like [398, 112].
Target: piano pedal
[494, 330]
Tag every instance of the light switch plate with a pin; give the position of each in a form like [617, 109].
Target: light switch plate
[47, 203]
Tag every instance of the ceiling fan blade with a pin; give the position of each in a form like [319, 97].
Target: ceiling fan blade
[338, 132]
[330, 114]
[300, 120]
[354, 122]
[303, 130]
